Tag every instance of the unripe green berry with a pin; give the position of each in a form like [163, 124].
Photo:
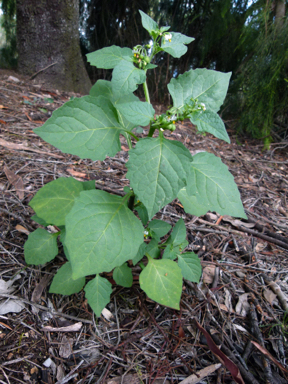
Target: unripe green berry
[171, 127]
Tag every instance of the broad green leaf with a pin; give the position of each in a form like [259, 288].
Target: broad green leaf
[176, 241]
[38, 220]
[40, 247]
[104, 88]
[123, 276]
[53, 201]
[152, 249]
[101, 233]
[98, 292]
[108, 57]
[172, 251]
[126, 77]
[63, 282]
[150, 66]
[87, 127]
[159, 228]
[62, 239]
[210, 122]
[178, 235]
[176, 47]
[164, 29]
[88, 185]
[211, 187]
[190, 266]
[138, 130]
[157, 170]
[148, 23]
[137, 112]
[208, 86]
[142, 212]
[162, 282]
[140, 254]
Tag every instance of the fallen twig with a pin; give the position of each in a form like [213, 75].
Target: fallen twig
[277, 290]
[41, 70]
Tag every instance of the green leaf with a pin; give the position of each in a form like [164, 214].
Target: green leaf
[108, 57]
[140, 254]
[125, 78]
[152, 249]
[40, 247]
[98, 292]
[162, 282]
[208, 86]
[148, 23]
[150, 66]
[190, 266]
[63, 282]
[102, 88]
[101, 233]
[176, 47]
[142, 212]
[87, 127]
[137, 112]
[164, 29]
[88, 185]
[172, 251]
[211, 187]
[176, 241]
[159, 228]
[210, 122]
[178, 235]
[53, 201]
[40, 221]
[157, 170]
[139, 130]
[62, 239]
[123, 276]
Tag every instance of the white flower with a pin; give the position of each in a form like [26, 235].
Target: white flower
[146, 233]
[203, 106]
[161, 129]
[172, 118]
[168, 36]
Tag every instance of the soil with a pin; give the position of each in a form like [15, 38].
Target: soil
[231, 327]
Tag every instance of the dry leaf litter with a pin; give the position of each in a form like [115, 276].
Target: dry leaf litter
[231, 326]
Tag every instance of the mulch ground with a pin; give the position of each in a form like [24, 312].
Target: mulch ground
[232, 322]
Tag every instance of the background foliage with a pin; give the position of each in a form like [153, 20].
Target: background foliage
[241, 36]
[8, 51]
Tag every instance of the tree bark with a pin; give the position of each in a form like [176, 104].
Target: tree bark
[48, 41]
[279, 12]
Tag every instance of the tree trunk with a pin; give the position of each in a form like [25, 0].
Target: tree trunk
[47, 34]
[279, 12]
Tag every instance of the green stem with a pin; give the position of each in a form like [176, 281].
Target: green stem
[151, 132]
[128, 138]
[146, 92]
[147, 97]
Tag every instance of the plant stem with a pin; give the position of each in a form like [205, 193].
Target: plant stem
[151, 132]
[146, 92]
[147, 97]
[128, 138]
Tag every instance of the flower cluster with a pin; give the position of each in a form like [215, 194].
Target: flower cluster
[140, 56]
